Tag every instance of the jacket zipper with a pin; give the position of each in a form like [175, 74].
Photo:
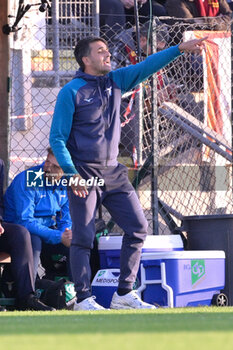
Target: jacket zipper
[105, 122]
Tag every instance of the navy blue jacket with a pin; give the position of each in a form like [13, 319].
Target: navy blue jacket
[37, 208]
[86, 122]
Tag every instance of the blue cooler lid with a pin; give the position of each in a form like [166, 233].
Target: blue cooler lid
[158, 243]
[186, 254]
[110, 242]
[153, 243]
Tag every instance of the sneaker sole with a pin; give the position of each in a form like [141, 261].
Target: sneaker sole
[120, 306]
[89, 309]
[125, 307]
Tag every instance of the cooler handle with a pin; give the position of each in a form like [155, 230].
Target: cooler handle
[170, 297]
[163, 282]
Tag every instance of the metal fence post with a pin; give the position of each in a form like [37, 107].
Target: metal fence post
[97, 18]
[55, 44]
[232, 97]
[4, 85]
[155, 145]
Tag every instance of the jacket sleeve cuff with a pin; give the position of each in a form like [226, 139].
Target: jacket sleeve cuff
[180, 51]
[56, 237]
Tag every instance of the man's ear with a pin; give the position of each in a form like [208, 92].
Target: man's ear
[85, 60]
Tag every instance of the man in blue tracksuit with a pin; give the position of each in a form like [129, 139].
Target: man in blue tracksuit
[85, 134]
[35, 202]
[15, 240]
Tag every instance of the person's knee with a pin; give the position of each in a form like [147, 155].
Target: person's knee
[138, 229]
[117, 6]
[111, 7]
[142, 226]
[23, 231]
[142, 231]
[21, 234]
[84, 242]
[159, 10]
[83, 234]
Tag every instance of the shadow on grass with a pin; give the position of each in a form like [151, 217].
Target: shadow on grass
[116, 322]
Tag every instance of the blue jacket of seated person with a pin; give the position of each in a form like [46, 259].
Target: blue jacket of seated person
[37, 208]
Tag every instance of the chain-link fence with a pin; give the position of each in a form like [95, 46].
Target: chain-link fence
[176, 126]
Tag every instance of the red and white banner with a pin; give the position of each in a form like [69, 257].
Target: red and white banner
[217, 82]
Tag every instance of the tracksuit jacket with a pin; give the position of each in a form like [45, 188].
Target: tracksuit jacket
[37, 208]
[86, 123]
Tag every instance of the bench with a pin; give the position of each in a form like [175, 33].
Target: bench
[5, 259]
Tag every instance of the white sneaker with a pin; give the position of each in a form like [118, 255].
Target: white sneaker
[130, 300]
[88, 304]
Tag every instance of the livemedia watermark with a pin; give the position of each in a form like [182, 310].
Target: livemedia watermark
[37, 179]
[200, 178]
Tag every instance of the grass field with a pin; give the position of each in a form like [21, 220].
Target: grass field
[189, 328]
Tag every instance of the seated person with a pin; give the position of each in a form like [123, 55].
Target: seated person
[115, 14]
[35, 200]
[112, 18]
[15, 240]
[201, 8]
[166, 89]
[158, 10]
[126, 49]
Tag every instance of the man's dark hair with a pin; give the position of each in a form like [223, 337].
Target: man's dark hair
[82, 49]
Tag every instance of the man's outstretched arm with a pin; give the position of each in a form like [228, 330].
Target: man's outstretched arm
[128, 77]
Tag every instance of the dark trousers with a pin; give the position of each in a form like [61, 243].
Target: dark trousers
[16, 241]
[120, 199]
[47, 250]
[158, 10]
[112, 18]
